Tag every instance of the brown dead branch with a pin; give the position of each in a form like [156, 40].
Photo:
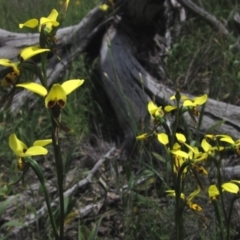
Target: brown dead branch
[209, 18]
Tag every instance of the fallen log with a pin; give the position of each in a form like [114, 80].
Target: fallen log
[131, 67]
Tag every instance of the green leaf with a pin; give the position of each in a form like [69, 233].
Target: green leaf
[159, 157]
[215, 126]
[12, 224]
[5, 203]
[37, 169]
[93, 234]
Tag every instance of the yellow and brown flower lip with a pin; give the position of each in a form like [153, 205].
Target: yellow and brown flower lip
[57, 95]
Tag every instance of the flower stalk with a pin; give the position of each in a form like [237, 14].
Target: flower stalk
[60, 174]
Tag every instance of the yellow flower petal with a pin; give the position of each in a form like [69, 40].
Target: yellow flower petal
[180, 137]
[188, 103]
[163, 138]
[66, 5]
[21, 150]
[29, 52]
[48, 22]
[71, 85]
[228, 140]
[142, 136]
[169, 108]
[103, 7]
[176, 146]
[213, 191]
[53, 15]
[172, 193]
[42, 142]
[16, 145]
[180, 153]
[205, 145]
[34, 151]
[34, 87]
[55, 96]
[9, 63]
[152, 108]
[200, 100]
[230, 187]
[45, 21]
[32, 23]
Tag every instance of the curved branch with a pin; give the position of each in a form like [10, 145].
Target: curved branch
[210, 19]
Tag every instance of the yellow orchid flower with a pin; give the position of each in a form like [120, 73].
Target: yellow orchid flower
[24, 54]
[230, 187]
[155, 111]
[197, 101]
[21, 150]
[57, 96]
[178, 162]
[188, 200]
[213, 192]
[179, 156]
[170, 108]
[47, 23]
[234, 144]
[194, 103]
[208, 148]
[11, 77]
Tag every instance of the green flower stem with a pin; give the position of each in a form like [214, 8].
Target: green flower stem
[228, 222]
[219, 185]
[44, 69]
[60, 174]
[38, 171]
[177, 116]
[219, 213]
[179, 208]
[219, 218]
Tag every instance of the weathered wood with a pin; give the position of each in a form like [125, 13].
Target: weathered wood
[119, 67]
[230, 173]
[126, 95]
[124, 66]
